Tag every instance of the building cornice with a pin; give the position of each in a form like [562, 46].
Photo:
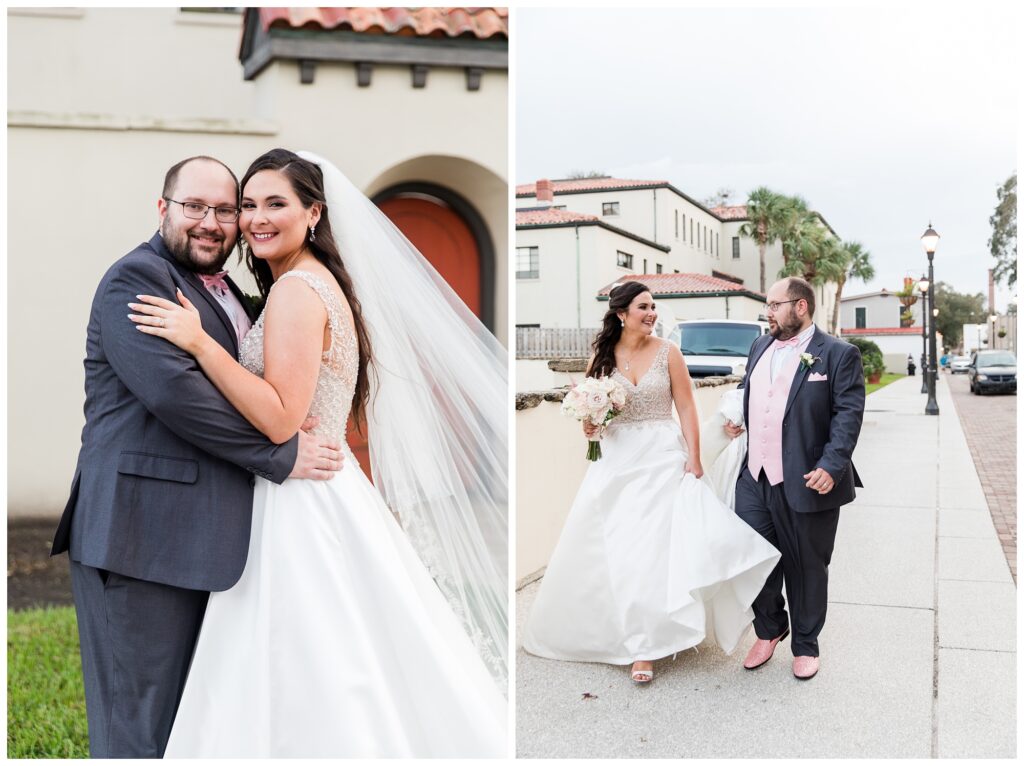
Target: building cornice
[602, 224]
[712, 294]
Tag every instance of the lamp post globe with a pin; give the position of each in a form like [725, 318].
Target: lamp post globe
[930, 241]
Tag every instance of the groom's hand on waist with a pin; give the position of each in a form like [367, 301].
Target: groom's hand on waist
[318, 457]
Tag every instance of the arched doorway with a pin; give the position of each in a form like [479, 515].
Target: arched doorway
[452, 236]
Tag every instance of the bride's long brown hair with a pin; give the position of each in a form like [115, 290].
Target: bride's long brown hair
[307, 181]
[611, 327]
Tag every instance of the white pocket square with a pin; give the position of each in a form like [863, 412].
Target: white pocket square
[816, 376]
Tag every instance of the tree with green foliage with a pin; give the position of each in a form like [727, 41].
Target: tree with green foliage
[1003, 243]
[578, 174]
[956, 310]
[871, 358]
[767, 211]
[856, 265]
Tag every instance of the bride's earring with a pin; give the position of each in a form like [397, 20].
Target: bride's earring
[622, 323]
[312, 233]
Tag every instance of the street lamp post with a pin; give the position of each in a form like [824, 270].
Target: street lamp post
[922, 285]
[930, 240]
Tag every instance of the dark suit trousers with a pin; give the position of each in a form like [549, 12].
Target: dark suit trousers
[137, 640]
[805, 541]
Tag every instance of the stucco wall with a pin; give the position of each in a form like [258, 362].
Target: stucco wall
[99, 107]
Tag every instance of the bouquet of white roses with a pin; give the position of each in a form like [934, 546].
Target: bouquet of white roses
[595, 401]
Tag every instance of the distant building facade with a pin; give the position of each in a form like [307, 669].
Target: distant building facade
[576, 236]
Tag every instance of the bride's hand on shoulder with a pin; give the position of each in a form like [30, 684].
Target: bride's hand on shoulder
[693, 466]
[179, 324]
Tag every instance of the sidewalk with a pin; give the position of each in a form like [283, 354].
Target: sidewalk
[918, 657]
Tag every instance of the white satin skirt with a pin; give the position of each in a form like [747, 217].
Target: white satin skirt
[335, 642]
[650, 561]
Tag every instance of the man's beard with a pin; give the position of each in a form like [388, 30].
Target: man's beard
[180, 246]
[786, 330]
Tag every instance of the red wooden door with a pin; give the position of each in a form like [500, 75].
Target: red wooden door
[446, 240]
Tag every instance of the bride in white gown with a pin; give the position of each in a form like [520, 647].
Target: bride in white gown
[336, 641]
[650, 561]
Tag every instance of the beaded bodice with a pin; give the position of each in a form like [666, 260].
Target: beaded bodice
[651, 398]
[339, 365]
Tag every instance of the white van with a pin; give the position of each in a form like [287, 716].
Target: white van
[716, 346]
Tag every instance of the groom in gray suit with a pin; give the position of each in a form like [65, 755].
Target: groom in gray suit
[161, 501]
[803, 405]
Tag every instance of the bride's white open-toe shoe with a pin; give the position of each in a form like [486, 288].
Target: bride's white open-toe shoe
[641, 676]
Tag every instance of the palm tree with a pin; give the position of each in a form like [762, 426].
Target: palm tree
[857, 266]
[798, 229]
[766, 210]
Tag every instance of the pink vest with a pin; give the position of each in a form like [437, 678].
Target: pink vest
[765, 412]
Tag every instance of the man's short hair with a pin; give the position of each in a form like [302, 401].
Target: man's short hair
[800, 289]
[172, 175]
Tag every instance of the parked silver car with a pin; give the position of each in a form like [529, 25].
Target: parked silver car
[959, 364]
[993, 370]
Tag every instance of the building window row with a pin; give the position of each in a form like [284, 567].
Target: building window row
[609, 208]
[862, 317]
[735, 247]
[527, 263]
[623, 260]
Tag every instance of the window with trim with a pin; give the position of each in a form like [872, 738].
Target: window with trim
[862, 316]
[657, 268]
[677, 223]
[735, 247]
[645, 267]
[527, 263]
[691, 231]
[684, 227]
[609, 208]
[623, 260]
[716, 245]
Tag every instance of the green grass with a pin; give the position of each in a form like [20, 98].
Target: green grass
[45, 696]
[887, 378]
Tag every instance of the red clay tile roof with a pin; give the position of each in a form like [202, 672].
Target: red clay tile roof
[731, 212]
[881, 330]
[482, 23]
[549, 215]
[662, 284]
[569, 185]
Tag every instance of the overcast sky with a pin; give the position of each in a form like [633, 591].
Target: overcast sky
[881, 119]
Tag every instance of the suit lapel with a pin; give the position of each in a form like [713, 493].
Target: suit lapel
[814, 348]
[157, 243]
[250, 310]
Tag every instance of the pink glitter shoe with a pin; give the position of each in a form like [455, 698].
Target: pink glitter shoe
[805, 668]
[762, 651]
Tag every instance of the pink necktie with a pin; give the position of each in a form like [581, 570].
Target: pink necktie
[783, 343]
[215, 282]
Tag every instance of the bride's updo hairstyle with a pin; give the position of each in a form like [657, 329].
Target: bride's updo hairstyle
[611, 327]
[307, 181]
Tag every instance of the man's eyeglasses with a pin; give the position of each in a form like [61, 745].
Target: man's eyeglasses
[197, 211]
[774, 305]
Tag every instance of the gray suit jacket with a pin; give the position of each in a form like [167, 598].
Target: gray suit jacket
[821, 423]
[163, 487]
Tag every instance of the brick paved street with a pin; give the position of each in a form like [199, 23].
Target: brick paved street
[990, 427]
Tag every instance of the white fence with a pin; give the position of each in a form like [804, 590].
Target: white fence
[554, 342]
